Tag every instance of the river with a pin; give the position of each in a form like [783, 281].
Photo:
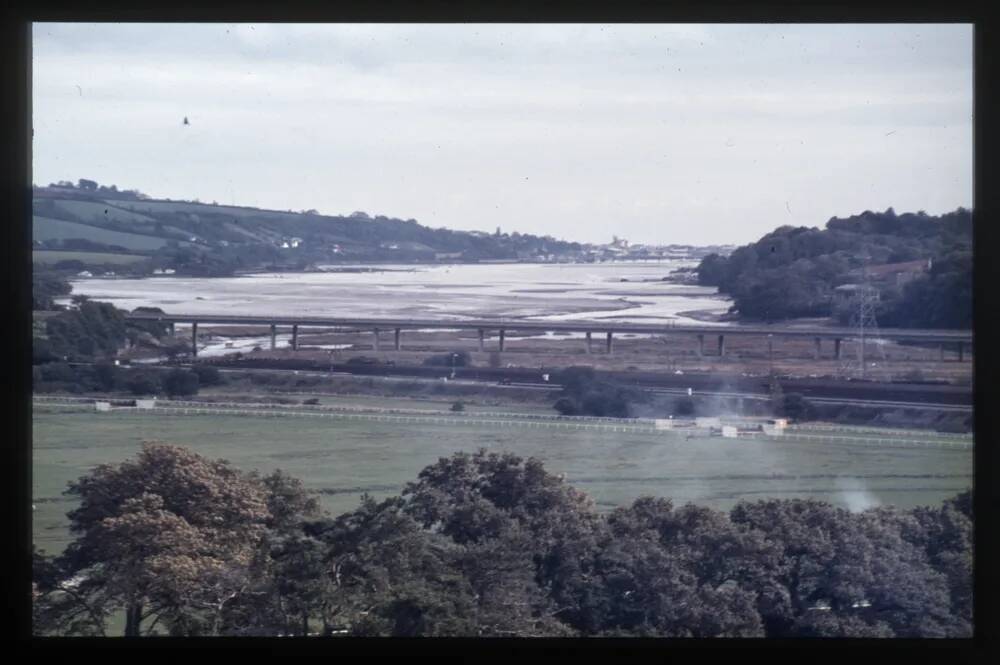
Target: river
[621, 291]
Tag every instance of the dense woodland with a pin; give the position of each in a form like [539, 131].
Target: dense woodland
[792, 272]
[488, 545]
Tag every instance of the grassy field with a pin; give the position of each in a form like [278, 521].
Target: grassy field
[95, 211]
[206, 209]
[44, 228]
[49, 256]
[342, 459]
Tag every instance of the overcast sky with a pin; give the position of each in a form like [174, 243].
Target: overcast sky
[658, 133]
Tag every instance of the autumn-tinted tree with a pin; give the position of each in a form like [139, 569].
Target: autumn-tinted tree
[169, 537]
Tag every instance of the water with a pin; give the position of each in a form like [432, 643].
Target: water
[529, 291]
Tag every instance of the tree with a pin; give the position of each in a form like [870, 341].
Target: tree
[143, 383]
[208, 375]
[105, 375]
[179, 382]
[389, 576]
[169, 536]
[684, 406]
[795, 406]
[95, 329]
[489, 500]
[846, 575]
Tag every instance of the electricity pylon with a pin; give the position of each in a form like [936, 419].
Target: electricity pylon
[863, 320]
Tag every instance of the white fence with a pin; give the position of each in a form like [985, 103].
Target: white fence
[806, 434]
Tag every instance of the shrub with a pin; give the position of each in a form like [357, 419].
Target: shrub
[179, 382]
[59, 372]
[684, 406]
[143, 383]
[208, 375]
[105, 374]
[797, 407]
[457, 406]
[566, 407]
[312, 401]
[456, 359]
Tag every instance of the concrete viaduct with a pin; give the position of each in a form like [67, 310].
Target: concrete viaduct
[960, 338]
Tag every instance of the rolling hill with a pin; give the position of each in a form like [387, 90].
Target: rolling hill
[207, 239]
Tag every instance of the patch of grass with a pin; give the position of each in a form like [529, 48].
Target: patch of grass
[341, 459]
[52, 256]
[44, 228]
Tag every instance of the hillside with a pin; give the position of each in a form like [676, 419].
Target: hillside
[920, 265]
[102, 228]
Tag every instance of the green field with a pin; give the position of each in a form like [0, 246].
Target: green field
[98, 212]
[206, 209]
[44, 228]
[342, 459]
[49, 256]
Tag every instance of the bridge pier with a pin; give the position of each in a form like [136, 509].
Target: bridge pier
[397, 339]
[819, 349]
[701, 345]
[610, 343]
[836, 348]
[171, 329]
[501, 339]
[482, 339]
[375, 331]
[194, 338]
[274, 336]
[722, 345]
[770, 346]
[961, 351]
[941, 350]
[589, 348]
[295, 337]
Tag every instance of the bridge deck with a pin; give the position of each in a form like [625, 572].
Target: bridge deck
[556, 326]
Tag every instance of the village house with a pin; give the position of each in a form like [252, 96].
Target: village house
[894, 273]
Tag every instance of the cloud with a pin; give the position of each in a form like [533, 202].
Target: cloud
[567, 130]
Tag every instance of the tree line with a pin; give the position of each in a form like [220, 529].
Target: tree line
[488, 544]
[792, 272]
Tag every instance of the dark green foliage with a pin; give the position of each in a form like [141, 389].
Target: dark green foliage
[684, 407]
[458, 407]
[941, 299]
[180, 382]
[59, 371]
[154, 328]
[105, 375]
[796, 407]
[45, 287]
[584, 394]
[455, 359]
[143, 383]
[492, 545]
[42, 351]
[566, 406]
[792, 271]
[94, 330]
[208, 375]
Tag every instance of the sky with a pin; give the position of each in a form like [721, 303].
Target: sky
[658, 133]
